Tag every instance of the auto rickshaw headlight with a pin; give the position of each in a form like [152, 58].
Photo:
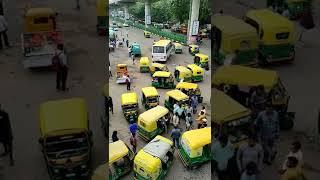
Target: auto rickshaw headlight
[83, 166]
[56, 171]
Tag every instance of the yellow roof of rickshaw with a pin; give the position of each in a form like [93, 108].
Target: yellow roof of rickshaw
[117, 150]
[144, 60]
[150, 91]
[121, 65]
[129, 98]
[183, 69]
[177, 95]
[225, 109]
[147, 161]
[163, 42]
[177, 44]
[101, 172]
[65, 114]
[40, 12]
[193, 45]
[197, 138]
[202, 56]
[153, 114]
[106, 90]
[195, 67]
[232, 26]
[186, 85]
[161, 74]
[269, 19]
[146, 31]
[245, 76]
[158, 65]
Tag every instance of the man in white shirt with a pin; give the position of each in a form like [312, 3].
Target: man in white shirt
[61, 68]
[3, 31]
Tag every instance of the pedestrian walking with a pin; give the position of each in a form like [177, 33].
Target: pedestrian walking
[203, 110]
[175, 135]
[129, 51]
[200, 119]
[127, 36]
[110, 73]
[267, 125]
[128, 82]
[59, 62]
[258, 100]
[175, 119]
[6, 136]
[250, 152]
[204, 123]
[123, 39]
[222, 152]
[187, 110]
[127, 42]
[189, 121]
[293, 172]
[194, 103]
[133, 127]
[115, 136]
[110, 102]
[133, 142]
[3, 32]
[250, 173]
[132, 57]
[294, 152]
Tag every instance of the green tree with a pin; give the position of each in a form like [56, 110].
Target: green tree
[180, 10]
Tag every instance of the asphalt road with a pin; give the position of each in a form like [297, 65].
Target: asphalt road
[117, 121]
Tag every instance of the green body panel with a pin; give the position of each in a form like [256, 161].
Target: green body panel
[197, 78]
[277, 51]
[119, 173]
[149, 135]
[246, 57]
[188, 79]
[144, 69]
[128, 115]
[168, 105]
[161, 176]
[164, 86]
[102, 22]
[194, 161]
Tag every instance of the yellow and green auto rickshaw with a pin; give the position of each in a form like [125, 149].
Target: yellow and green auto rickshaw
[195, 148]
[120, 160]
[149, 122]
[162, 79]
[158, 67]
[122, 73]
[247, 78]
[235, 120]
[147, 34]
[202, 60]
[130, 106]
[190, 89]
[194, 49]
[66, 138]
[295, 7]
[176, 97]
[144, 64]
[177, 48]
[102, 16]
[183, 73]
[197, 72]
[276, 34]
[150, 97]
[154, 160]
[237, 41]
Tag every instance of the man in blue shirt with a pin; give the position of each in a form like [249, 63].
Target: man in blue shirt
[133, 127]
[175, 134]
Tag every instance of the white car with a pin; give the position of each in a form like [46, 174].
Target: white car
[125, 25]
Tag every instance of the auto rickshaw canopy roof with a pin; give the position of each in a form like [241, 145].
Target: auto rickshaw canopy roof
[39, 12]
[144, 61]
[177, 95]
[202, 57]
[195, 68]
[183, 70]
[187, 85]
[245, 76]
[135, 45]
[158, 147]
[146, 32]
[129, 98]
[153, 115]
[101, 172]
[197, 138]
[121, 65]
[150, 91]
[193, 46]
[147, 161]
[163, 42]
[234, 110]
[161, 74]
[117, 150]
[158, 65]
[232, 26]
[65, 114]
[177, 45]
[270, 20]
[102, 9]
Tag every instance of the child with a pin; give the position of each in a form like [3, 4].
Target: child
[293, 171]
[294, 152]
[250, 173]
